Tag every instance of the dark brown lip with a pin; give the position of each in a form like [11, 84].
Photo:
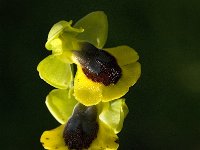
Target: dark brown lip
[98, 65]
[82, 128]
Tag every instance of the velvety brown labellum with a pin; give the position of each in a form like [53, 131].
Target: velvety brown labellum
[81, 128]
[98, 65]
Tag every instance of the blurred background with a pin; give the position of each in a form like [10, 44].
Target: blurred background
[164, 104]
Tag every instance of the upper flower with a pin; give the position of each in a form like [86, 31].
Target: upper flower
[103, 74]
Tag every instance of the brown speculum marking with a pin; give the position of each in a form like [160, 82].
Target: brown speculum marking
[98, 65]
[82, 128]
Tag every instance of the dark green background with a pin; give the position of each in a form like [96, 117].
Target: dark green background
[164, 104]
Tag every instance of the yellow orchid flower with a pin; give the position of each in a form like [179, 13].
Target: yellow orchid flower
[103, 74]
[93, 127]
[83, 130]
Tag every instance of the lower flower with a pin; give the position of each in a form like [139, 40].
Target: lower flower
[83, 130]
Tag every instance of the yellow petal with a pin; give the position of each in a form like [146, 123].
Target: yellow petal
[86, 91]
[90, 93]
[53, 139]
[106, 139]
[124, 54]
[130, 75]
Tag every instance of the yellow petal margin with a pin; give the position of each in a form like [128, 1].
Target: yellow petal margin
[89, 93]
[86, 91]
[130, 75]
[53, 139]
